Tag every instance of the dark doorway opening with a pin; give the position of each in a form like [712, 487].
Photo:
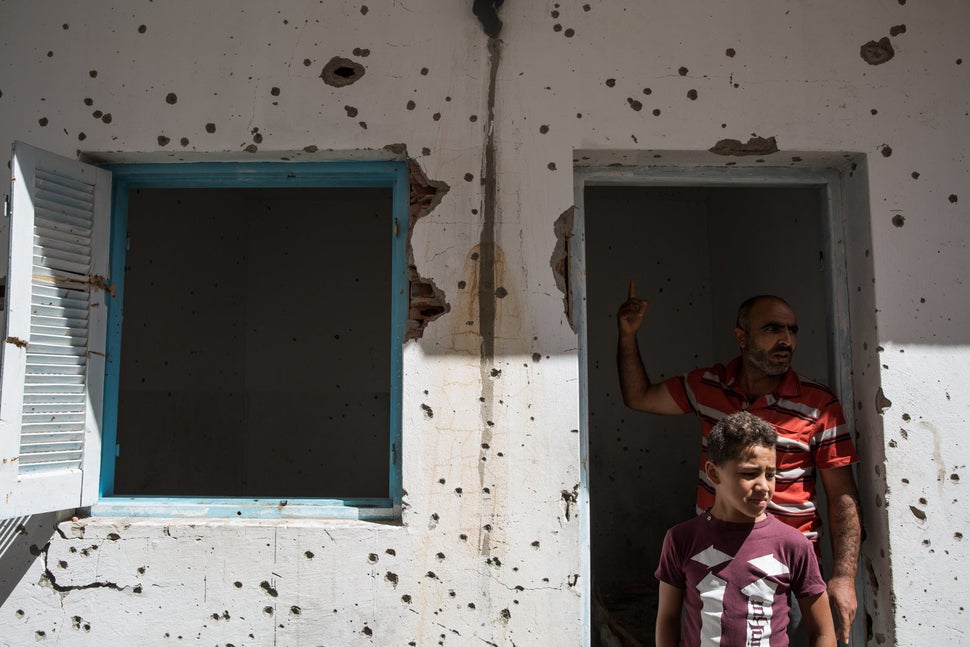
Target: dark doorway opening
[695, 253]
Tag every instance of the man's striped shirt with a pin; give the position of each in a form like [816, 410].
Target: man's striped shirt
[812, 434]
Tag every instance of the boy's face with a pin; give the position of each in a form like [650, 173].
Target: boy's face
[744, 487]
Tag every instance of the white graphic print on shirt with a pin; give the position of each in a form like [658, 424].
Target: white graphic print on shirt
[760, 595]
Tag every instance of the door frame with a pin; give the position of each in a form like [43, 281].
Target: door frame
[827, 172]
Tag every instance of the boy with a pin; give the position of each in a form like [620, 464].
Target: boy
[733, 566]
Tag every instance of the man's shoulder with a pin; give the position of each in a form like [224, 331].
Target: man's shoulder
[811, 391]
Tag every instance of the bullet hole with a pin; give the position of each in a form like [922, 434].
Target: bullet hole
[796, 158]
[363, 10]
[142, 569]
[424, 71]
[506, 614]
[636, 105]
[729, 52]
[62, 564]
[473, 118]
[877, 53]
[914, 175]
[551, 166]
[163, 140]
[406, 599]
[692, 94]
[268, 611]
[501, 293]
[252, 148]
[557, 28]
[359, 51]
[536, 357]
[171, 98]
[953, 198]
[50, 54]
[461, 285]
[340, 72]
[959, 61]
[391, 577]
[372, 558]
[42, 121]
[40, 634]
[310, 149]
[275, 91]
[106, 118]
[113, 536]
[469, 177]
[610, 83]
[367, 631]
[919, 514]
[907, 417]
[896, 30]
[535, 544]
[569, 33]
[142, 29]
[295, 610]
[682, 71]
[81, 137]
[554, 13]
[754, 146]
[351, 111]
[427, 411]
[430, 575]
[955, 477]
[411, 105]
[93, 74]
[184, 142]
[210, 127]
[137, 590]
[886, 150]
[463, 537]
[272, 592]
[656, 112]
[647, 91]
[425, 151]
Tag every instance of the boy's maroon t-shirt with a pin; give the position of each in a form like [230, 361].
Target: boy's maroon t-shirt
[736, 579]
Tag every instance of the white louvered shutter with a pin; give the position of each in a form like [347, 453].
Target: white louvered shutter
[51, 386]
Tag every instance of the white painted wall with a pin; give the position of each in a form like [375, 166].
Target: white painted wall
[796, 74]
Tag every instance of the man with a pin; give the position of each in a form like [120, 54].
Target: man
[812, 431]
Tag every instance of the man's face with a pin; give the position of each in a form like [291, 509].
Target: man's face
[768, 343]
[745, 486]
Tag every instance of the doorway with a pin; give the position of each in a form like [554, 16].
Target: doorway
[695, 250]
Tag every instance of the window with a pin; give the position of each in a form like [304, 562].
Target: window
[243, 339]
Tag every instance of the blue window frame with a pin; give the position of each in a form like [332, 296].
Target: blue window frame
[269, 175]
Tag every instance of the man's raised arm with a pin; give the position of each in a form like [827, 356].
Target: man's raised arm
[638, 392]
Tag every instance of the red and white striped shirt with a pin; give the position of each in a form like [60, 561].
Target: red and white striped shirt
[812, 434]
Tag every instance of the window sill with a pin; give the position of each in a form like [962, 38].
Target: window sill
[359, 509]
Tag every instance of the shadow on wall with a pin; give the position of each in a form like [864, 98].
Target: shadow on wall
[23, 540]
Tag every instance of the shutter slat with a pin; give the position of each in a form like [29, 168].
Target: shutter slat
[59, 186]
[58, 312]
[48, 397]
[52, 176]
[38, 383]
[42, 233]
[74, 222]
[64, 252]
[59, 229]
[56, 262]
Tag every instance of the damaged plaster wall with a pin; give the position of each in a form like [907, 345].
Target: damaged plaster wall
[489, 549]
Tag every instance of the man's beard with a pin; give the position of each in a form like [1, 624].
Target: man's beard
[761, 359]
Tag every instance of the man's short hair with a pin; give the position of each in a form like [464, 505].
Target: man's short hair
[745, 308]
[737, 432]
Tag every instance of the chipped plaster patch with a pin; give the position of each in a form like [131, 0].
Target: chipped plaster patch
[754, 146]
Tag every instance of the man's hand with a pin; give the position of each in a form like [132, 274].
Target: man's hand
[841, 590]
[629, 317]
